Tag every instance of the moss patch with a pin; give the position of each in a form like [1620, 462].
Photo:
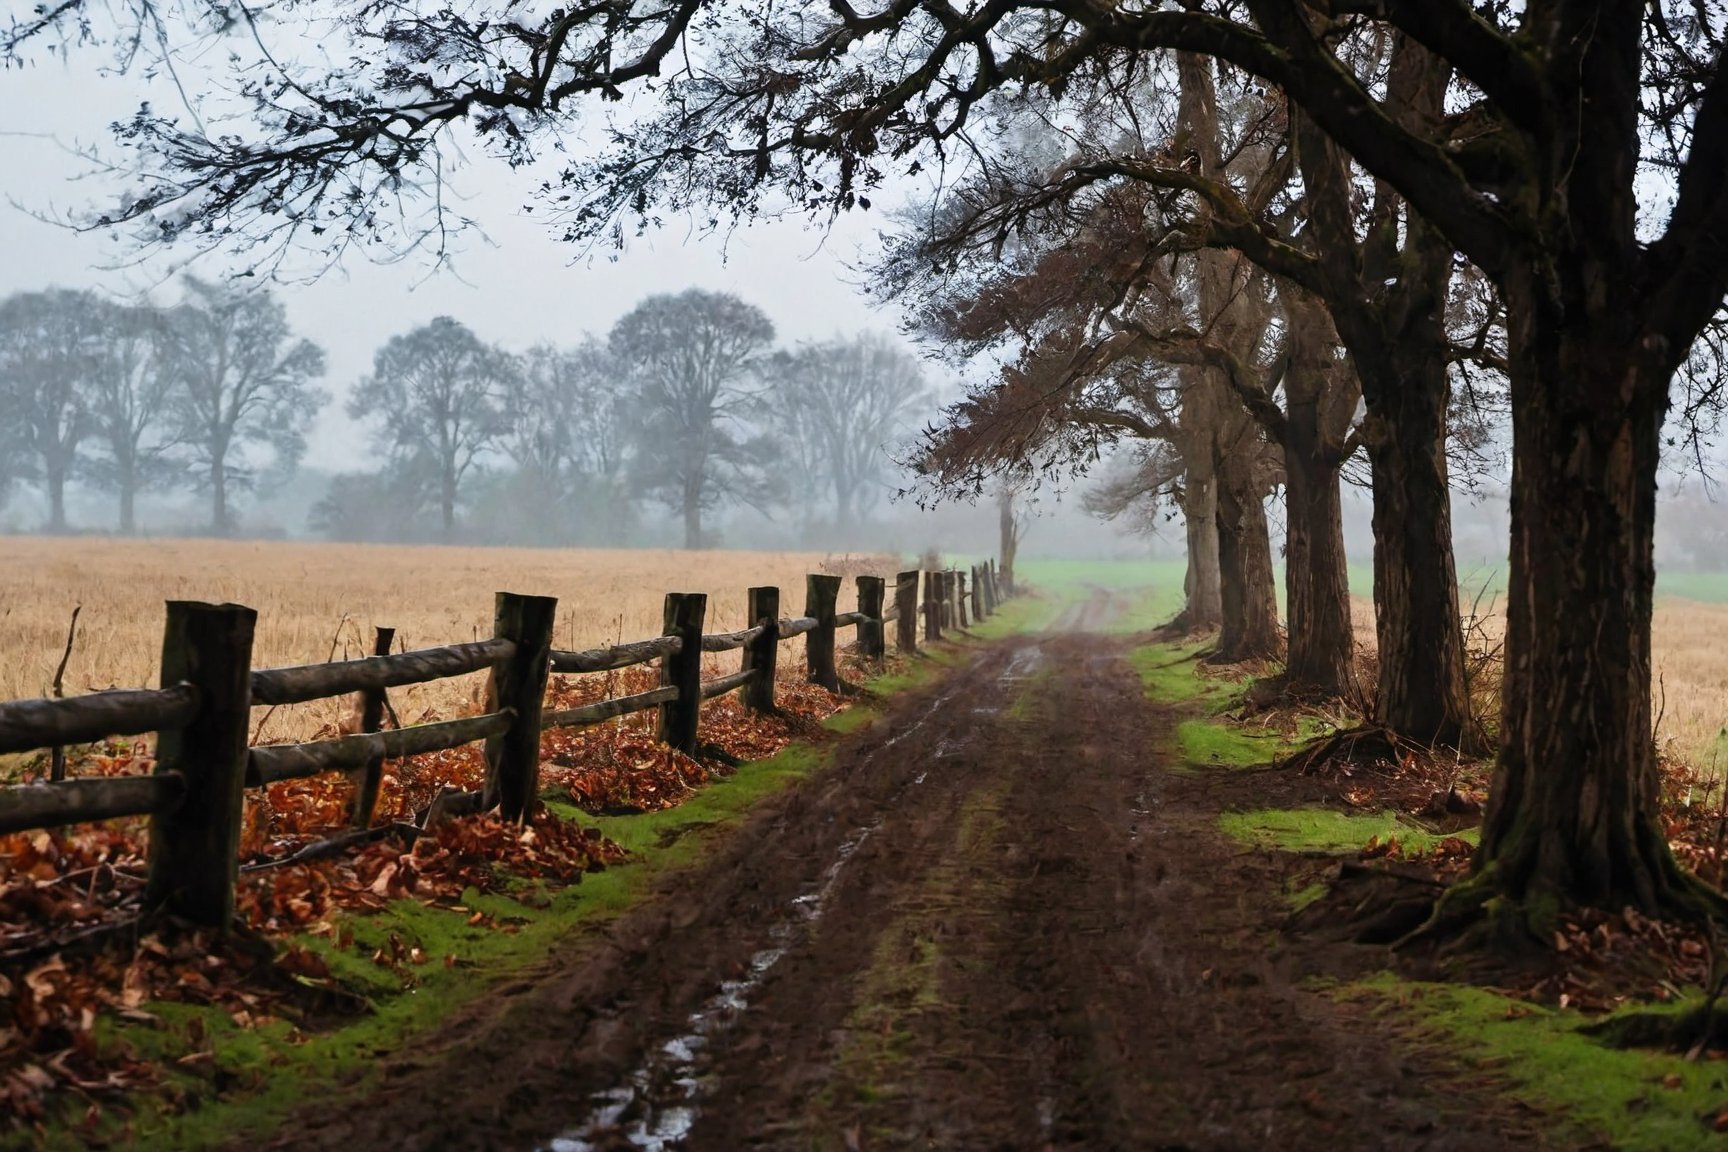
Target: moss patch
[1631, 1101]
[1207, 744]
[1171, 675]
[1326, 829]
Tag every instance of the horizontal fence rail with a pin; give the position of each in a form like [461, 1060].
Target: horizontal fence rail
[727, 641]
[617, 656]
[725, 684]
[201, 720]
[274, 762]
[27, 806]
[604, 710]
[26, 725]
[322, 681]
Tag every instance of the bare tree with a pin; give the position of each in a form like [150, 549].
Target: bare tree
[436, 394]
[129, 396]
[694, 359]
[50, 352]
[837, 406]
[567, 415]
[241, 382]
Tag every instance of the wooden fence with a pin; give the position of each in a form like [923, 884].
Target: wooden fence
[194, 798]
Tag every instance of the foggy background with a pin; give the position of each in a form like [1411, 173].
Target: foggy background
[517, 286]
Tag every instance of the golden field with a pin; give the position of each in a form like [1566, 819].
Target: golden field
[316, 601]
[1689, 654]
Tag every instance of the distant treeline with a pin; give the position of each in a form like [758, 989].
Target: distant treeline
[686, 404]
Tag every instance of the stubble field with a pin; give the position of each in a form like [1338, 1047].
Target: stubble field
[318, 601]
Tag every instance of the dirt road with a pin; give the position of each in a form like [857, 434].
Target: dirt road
[997, 921]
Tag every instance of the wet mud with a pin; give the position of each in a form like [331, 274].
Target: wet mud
[995, 921]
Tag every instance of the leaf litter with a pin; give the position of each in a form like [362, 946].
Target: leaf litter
[76, 946]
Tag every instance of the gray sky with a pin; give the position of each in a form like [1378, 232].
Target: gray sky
[522, 288]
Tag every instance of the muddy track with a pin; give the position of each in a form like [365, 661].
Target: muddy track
[996, 921]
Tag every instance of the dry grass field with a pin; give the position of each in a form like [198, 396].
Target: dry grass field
[316, 601]
[1689, 651]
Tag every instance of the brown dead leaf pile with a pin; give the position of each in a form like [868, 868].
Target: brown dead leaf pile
[74, 944]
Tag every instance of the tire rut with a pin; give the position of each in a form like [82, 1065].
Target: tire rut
[994, 921]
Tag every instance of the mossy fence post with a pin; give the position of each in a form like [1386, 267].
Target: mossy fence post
[820, 594]
[194, 853]
[679, 718]
[763, 653]
[518, 682]
[870, 629]
[906, 605]
[371, 720]
[960, 620]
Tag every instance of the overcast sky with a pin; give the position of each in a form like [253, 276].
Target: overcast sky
[522, 288]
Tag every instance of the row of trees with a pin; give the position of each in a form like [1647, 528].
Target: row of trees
[130, 396]
[687, 403]
[1276, 204]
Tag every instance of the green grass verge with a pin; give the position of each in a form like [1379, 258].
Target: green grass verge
[1327, 829]
[1171, 675]
[251, 1078]
[245, 1080]
[1628, 1100]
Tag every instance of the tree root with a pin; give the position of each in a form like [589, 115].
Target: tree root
[1352, 745]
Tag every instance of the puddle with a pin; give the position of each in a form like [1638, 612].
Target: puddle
[637, 1112]
[1023, 665]
[656, 1107]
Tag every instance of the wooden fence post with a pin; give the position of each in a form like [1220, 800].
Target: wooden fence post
[870, 593]
[906, 605]
[513, 759]
[195, 849]
[820, 593]
[960, 599]
[945, 587]
[371, 720]
[932, 610]
[682, 670]
[980, 594]
[762, 653]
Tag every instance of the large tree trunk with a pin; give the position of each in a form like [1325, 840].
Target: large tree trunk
[128, 502]
[1389, 304]
[1422, 692]
[1204, 608]
[1316, 576]
[1249, 588]
[447, 506]
[1320, 395]
[1008, 537]
[1573, 816]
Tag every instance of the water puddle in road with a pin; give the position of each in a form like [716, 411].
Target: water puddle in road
[656, 1107]
[637, 1111]
[1023, 665]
